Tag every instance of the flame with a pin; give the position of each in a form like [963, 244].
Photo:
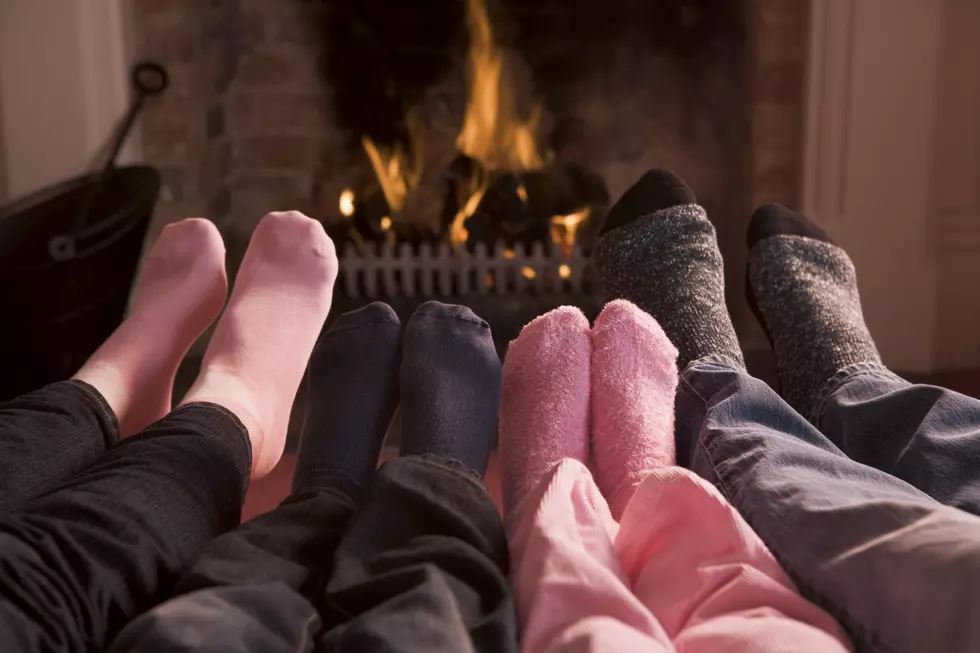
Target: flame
[509, 254]
[522, 193]
[396, 174]
[385, 223]
[528, 272]
[564, 228]
[493, 134]
[347, 203]
[564, 271]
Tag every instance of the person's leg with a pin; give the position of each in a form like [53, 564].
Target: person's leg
[875, 552]
[708, 578]
[896, 567]
[51, 433]
[181, 289]
[687, 554]
[450, 385]
[804, 290]
[80, 561]
[634, 380]
[422, 567]
[352, 390]
[567, 580]
[658, 250]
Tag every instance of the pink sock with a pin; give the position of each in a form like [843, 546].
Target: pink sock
[181, 289]
[634, 378]
[260, 348]
[544, 404]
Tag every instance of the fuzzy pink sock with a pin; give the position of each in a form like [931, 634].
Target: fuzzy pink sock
[260, 348]
[544, 404]
[181, 289]
[634, 378]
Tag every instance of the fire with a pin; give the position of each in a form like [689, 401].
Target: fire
[385, 223]
[347, 203]
[564, 271]
[493, 134]
[564, 227]
[396, 173]
[528, 272]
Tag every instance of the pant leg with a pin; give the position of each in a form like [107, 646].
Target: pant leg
[264, 618]
[925, 435]
[570, 588]
[423, 566]
[80, 561]
[250, 588]
[48, 435]
[708, 578]
[897, 568]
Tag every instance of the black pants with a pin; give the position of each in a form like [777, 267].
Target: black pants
[100, 536]
[48, 435]
[421, 565]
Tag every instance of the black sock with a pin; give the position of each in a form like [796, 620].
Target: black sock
[450, 385]
[658, 250]
[351, 395]
[803, 289]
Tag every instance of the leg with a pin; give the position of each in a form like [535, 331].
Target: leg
[48, 435]
[422, 567]
[634, 380]
[804, 288]
[115, 536]
[287, 554]
[688, 556]
[709, 579]
[556, 518]
[180, 292]
[854, 539]
[450, 385]
[658, 250]
[80, 561]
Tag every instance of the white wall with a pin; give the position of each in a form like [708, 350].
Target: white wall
[63, 81]
[872, 101]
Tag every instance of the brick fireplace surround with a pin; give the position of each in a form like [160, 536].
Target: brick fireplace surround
[249, 125]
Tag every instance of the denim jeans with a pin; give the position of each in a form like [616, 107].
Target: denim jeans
[79, 561]
[898, 568]
[420, 565]
[925, 435]
[48, 435]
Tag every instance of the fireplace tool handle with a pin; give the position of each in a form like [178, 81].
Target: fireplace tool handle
[148, 79]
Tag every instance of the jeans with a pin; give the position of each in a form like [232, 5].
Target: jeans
[421, 565]
[898, 568]
[108, 542]
[48, 435]
[925, 435]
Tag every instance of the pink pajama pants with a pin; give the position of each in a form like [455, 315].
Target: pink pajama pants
[682, 571]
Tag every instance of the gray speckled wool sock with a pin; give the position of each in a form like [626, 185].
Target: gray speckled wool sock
[660, 252]
[804, 290]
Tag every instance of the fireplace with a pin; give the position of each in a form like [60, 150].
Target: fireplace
[467, 150]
